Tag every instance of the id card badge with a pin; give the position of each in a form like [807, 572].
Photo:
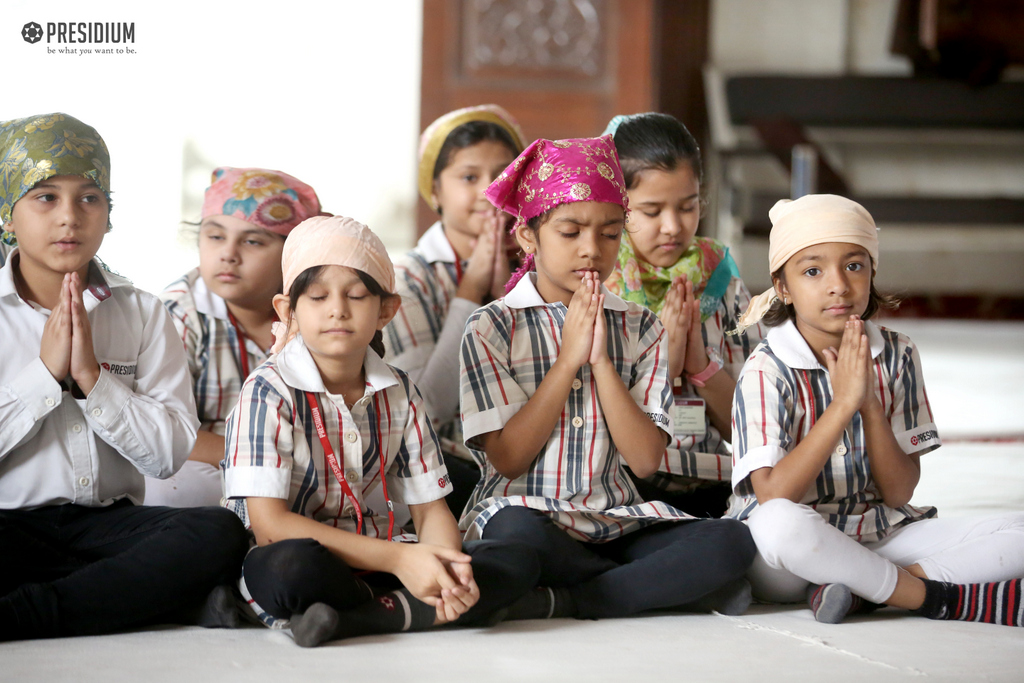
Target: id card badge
[688, 416]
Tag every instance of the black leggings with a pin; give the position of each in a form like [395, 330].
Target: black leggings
[669, 564]
[70, 570]
[286, 577]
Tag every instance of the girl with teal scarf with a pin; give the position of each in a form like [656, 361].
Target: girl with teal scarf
[693, 284]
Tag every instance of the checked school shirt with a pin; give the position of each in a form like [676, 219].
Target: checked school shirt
[706, 456]
[783, 391]
[272, 449]
[579, 478]
[211, 346]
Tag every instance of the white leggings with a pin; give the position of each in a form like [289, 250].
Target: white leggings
[797, 547]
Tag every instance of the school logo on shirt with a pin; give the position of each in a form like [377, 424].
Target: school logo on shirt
[120, 369]
[444, 481]
[923, 436]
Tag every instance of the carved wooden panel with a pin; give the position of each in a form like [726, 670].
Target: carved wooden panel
[511, 39]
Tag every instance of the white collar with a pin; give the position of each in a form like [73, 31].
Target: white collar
[434, 245]
[93, 295]
[208, 303]
[299, 370]
[525, 295]
[791, 348]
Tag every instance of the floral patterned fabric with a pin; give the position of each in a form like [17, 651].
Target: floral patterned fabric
[706, 263]
[549, 173]
[35, 148]
[270, 199]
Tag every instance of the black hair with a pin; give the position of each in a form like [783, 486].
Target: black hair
[655, 141]
[309, 275]
[779, 312]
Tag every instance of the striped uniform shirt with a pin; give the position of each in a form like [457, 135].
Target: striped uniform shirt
[272, 449]
[579, 477]
[692, 458]
[783, 391]
[211, 346]
[427, 279]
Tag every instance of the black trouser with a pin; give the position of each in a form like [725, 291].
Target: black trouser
[286, 577]
[669, 564]
[709, 500]
[70, 570]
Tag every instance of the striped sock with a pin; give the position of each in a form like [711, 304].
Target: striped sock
[389, 613]
[998, 602]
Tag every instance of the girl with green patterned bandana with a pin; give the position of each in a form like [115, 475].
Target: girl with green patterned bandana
[94, 394]
[693, 285]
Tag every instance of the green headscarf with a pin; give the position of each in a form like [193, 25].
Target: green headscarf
[40, 147]
[706, 263]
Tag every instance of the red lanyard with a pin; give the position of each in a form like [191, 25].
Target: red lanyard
[243, 355]
[321, 432]
[458, 262]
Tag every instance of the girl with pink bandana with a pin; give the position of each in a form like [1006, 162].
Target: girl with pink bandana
[562, 383]
[317, 431]
[223, 310]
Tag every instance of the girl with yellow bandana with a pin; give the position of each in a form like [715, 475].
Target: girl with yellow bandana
[693, 285]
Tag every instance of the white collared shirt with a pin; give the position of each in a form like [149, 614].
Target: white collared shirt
[273, 450]
[138, 420]
[212, 348]
[579, 478]
[783, 391]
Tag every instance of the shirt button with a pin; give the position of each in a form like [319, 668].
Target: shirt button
[351, 437]
[841, 449]
[50, 403]
[577, 422]
[576, 383]
[352, 475]
[84, 481]
[76, 428]
[96, 412]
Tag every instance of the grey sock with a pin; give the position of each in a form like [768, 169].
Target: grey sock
[733, 599]
[315, 625]
[219, 610]
[830, 602]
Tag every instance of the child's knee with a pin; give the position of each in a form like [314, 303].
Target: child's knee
[516, 523]
[514, 566]
[783, 530]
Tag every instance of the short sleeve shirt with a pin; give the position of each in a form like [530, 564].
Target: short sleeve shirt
[783, 391]
[579, 478]
[273, 450]
[212, 346]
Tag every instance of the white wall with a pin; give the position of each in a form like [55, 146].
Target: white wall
[328, 92]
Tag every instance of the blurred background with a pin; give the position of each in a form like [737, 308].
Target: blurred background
[913, 107]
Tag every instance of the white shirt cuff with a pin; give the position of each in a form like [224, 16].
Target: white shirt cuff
[257, 482]
[37, 389]
[754, 459]
[420, 488]
[922, 439]
[488, 421]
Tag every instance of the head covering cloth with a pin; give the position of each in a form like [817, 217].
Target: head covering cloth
[332, 241]
[434, 137]
[550, 173]
[272, 200]
[804, 222]
[36, 148]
